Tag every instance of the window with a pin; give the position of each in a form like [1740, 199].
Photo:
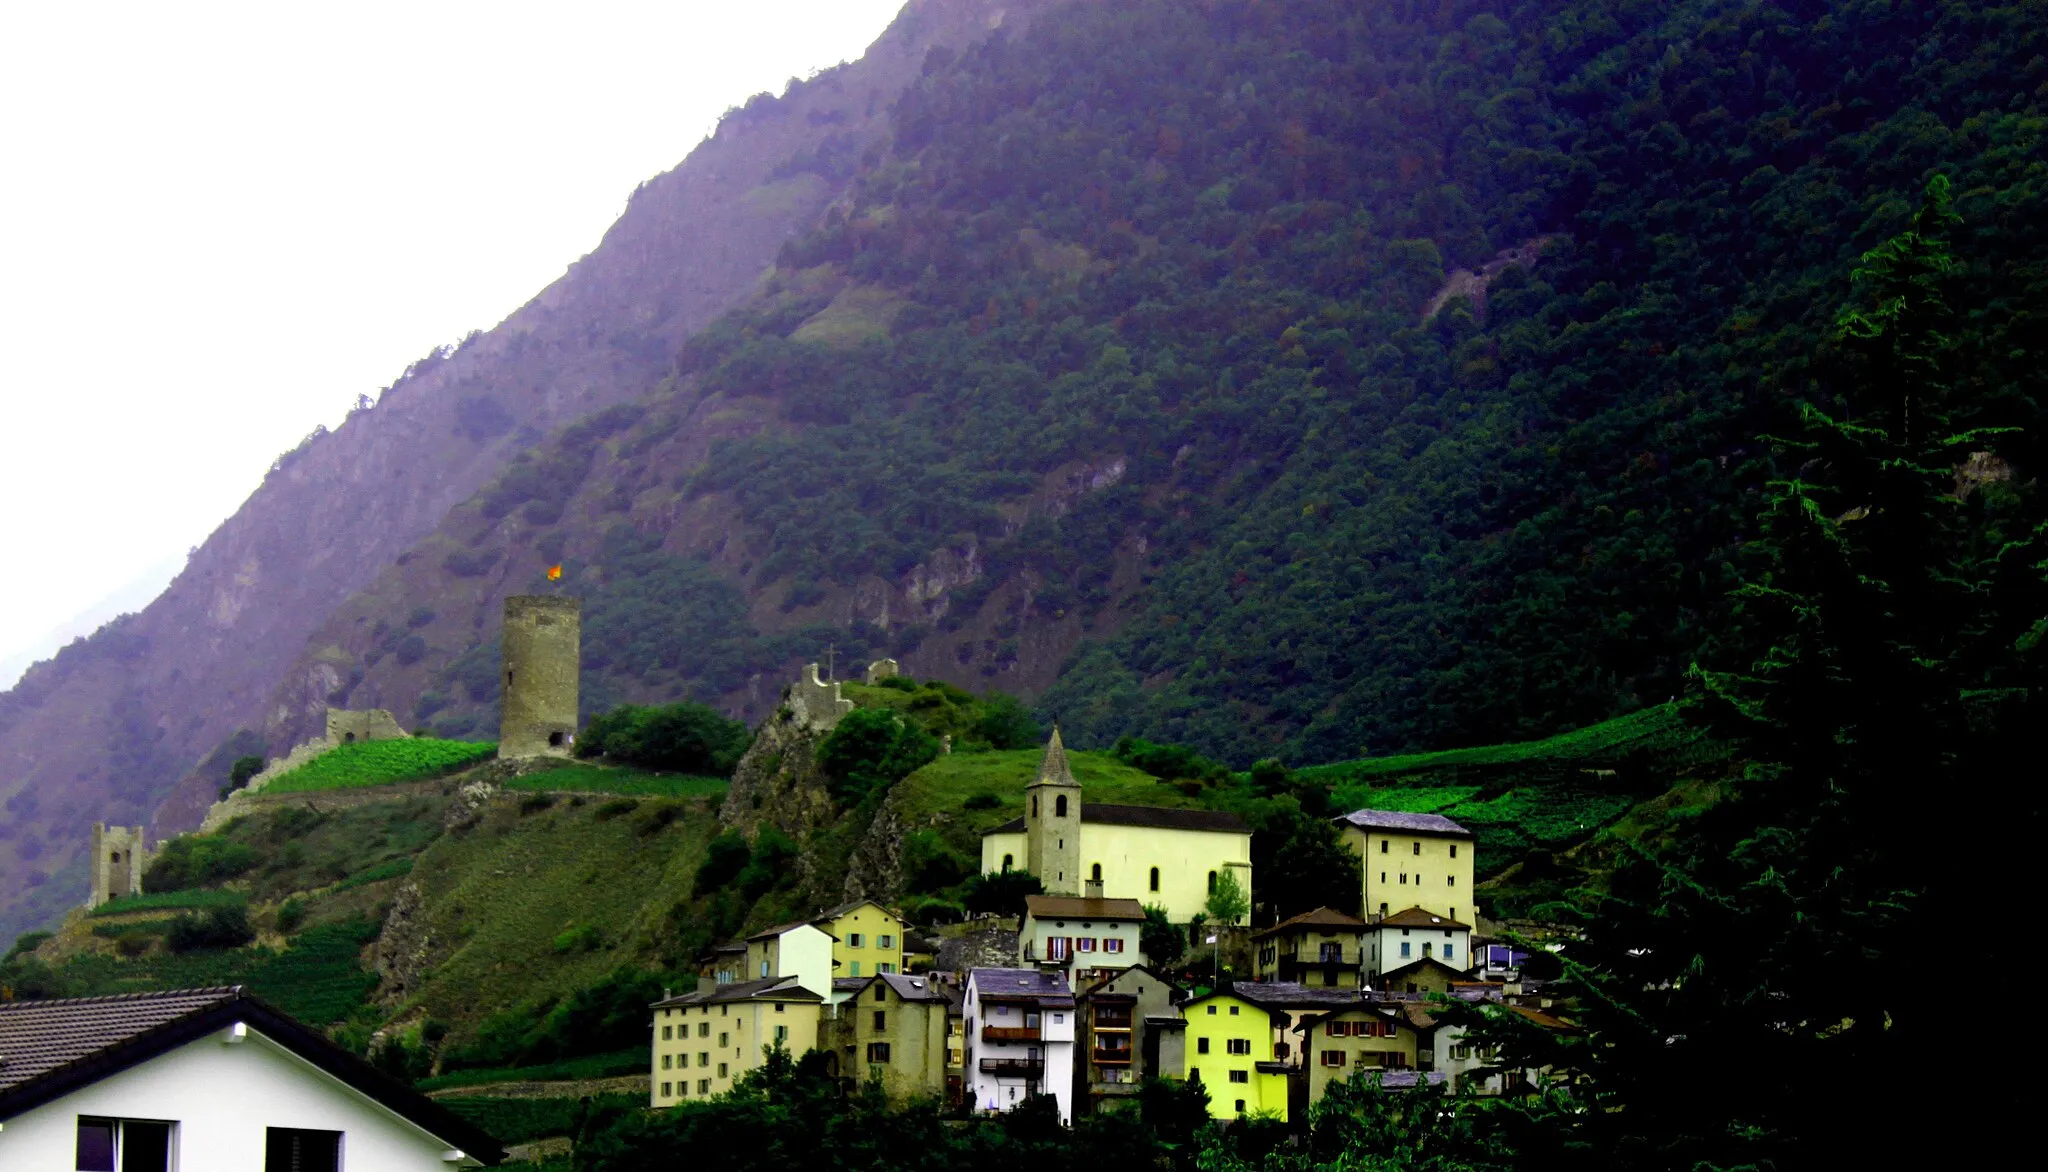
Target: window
[1461, 1052]
[881, 1019]
[1383, 876]
[1404, 876]
[703, 1057]
[885, 941]
[722, 1043]
[1212, 882]
[1338, 1029]
[1059, 806]
[1454, 850]
[703, 1029]
[1233, 1011]
[1383, 846]
[1240, 1103]
[1404, 947]
[1450, 950]
[721, 1070]
[764, 970]
[666, 1090]
[665, 1061]
[1155, 878]
[1333, 1057]
[703, 1086]
[1007, 860]
[292, 1149]
[885, 967]
[1417, 846]
[1112, 944]
[853, 940]
[667, 1032]
[1095, 872]
[878, 1051]
[1240, 1076]
[1238, 1045]
[1383, 907]
[1451, 881]
[1056, 947]
[1425, 948]
[142, 1145]
[781, 1032]
[1201, 1045]
[1084, 944]
[856, 969]
[779, 1008]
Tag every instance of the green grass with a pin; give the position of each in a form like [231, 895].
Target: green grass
[1657, 730]
[943, 787]
[115, 931]
[601, 779]
[318, 980]
[368, 763]
[619, 1062]
[516, 1121]
[170, 900]
[389, 869]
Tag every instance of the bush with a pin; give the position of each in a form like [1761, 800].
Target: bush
[581, 938]
[982, 801]
[290, 916]
[724, 858]
[220, 927]
[679, 738]
[243, 769]
[197, 860]
[1160, 938]
[871, 750]
[608, 1016]
[1006, 724]
[535, 803]
[615, 808]
[773, 864]
[25, 943]
[929, 865]
[1002, 894]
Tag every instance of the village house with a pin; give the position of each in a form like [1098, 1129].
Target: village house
[210, 1079]
[1412, 935]
[1229, 1047]
[1020, 1039]
[1324, 948]
[1171, 858]
[1336, 1045]
[726, 963]
[1428, 975]
[1410, 860]
[1285, 1002]
[892, 1027]
[1088, 938]
[1131, 1030]
[800, 951]
[867, 938]
[705, 1040]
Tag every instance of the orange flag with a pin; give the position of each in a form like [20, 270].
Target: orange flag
[555, 572]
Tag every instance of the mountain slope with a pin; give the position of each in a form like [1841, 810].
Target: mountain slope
[107, 727]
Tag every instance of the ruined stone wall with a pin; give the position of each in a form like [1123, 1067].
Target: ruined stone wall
[374, 724]
[816, 704]
[543, 654]
[883, 669]
[119, 857]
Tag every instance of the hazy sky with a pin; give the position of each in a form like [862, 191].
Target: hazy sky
[219, 223]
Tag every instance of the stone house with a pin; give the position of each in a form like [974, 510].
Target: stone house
[1367, 1037]
[1131, 1030]
[892, 1027]
[1323, 948]
[704, 1041]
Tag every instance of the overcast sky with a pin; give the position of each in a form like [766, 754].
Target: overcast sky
[219, 223]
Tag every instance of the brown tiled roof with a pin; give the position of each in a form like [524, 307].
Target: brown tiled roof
[833, 913]
[1159, 816]
[1396, 820]
[1070, 907]
[1543, 1019]
[1415, 917]
[49, 1049]
[1322, 917]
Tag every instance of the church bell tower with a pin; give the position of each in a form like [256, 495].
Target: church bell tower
[1052, 823]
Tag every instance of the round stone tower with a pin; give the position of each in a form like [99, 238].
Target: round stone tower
[543, 653]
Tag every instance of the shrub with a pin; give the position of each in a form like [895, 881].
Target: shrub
[982, 801]
[1160, 938]
[615, 808]
[1006, 724]
[871, 750]
[220, 927]
[581, 938]
[656, 818]
[25, 943]
[680, 738]
[411, 650]
[197, 860]
[290, 916]
[724, 858]
[535, 803]
[1001, 894]
[243, 769]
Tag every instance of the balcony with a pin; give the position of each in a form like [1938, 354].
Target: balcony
[1031, 1068]
[1009, 1033]
[1115, 1056]
[1112, 1017]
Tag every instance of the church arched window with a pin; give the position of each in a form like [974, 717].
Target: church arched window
[1095, 873]
[1212, 882]
[1059, 806]
[1034, 805]
[1007, 860]
[1155, 878]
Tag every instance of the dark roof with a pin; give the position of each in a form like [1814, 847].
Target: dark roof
[848, 984]
[1097, 988]
[1106, 815]
[914, 988]
[833, 913]
[1322, 917]
[1289, 994]
[1456, 974]
[1401, 1080]
[1069, 907]
[779, 929]
[729, 946]
[1021, 985]
[770, 989]
[50, 1048]
[1415, 917]
[1395, 820]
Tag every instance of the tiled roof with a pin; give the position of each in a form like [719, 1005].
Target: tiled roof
[849, 984]
[1322, 917]
[833, 913]
[1415, 917]
[1021, 984]
[914, 988]
[37, 1037]
[779, 929]
[1395, 820]
[770, 989]
[1543, 1019]
[1156, 816]
[1455, 973]
[1289, 994]
[1068, 907]
[49, 1049]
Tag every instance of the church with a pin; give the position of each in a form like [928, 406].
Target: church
[1168, 857]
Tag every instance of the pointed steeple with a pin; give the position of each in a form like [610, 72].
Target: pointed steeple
[1053, 770]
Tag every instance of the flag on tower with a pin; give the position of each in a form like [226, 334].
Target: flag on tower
[555, 572]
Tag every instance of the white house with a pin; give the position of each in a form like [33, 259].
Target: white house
[1020, 1039]
[207, 1079]
[1416, 934]
[799, 950]
[1089, 939]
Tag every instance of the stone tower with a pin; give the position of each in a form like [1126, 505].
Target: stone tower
[1052, 822]
[543, 654]
[118, 860]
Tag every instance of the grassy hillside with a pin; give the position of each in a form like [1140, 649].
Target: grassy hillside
[370, 763]
[940, 794]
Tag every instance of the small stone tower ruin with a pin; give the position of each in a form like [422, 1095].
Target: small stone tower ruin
[543, 642]
[1052, 822]
[118, 861]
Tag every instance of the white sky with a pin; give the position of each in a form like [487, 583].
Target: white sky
[219, 223]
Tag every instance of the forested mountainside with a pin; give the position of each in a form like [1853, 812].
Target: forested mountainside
[110, 726]
[1111, 369]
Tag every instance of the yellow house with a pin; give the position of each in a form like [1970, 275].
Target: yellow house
[1335, 1046]
[799, 950]
[894, 1028]
[1171, 858]
[1229, 1046]
[1410, 860]
[868, 938]
[706, 1039]
[1323, 948]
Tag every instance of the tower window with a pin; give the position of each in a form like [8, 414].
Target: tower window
[1095, 873]
[1212, 882]
[1059, 806]
[1007, 860]
[555, 738]
[1034, 805]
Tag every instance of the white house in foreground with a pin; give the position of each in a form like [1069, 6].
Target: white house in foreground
[207, 1080]
[1020, 1039]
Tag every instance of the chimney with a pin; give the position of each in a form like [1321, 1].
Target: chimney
[1092, 889]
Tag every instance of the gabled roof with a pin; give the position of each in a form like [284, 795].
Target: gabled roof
[914, 988]
[1322, 917]
[1411, 823]
[1070, 907]
[1293, 995]
[1053, 768]
[1416, 917]
[50, 1048]
[779, 929]
[1049, 988]
[1155, 816]
[1145, 969]
[833, 913]
[1457, 975]
[769, 989]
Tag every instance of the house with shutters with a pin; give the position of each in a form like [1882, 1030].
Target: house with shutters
[1088, 938]
[1021, 1027]
[1415, 934]
[1323, 948]
[210, 1079]
[867, 938]
[1169, 857]
[1367, 1037]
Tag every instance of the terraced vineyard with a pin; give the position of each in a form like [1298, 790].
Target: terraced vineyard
[367, 763]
